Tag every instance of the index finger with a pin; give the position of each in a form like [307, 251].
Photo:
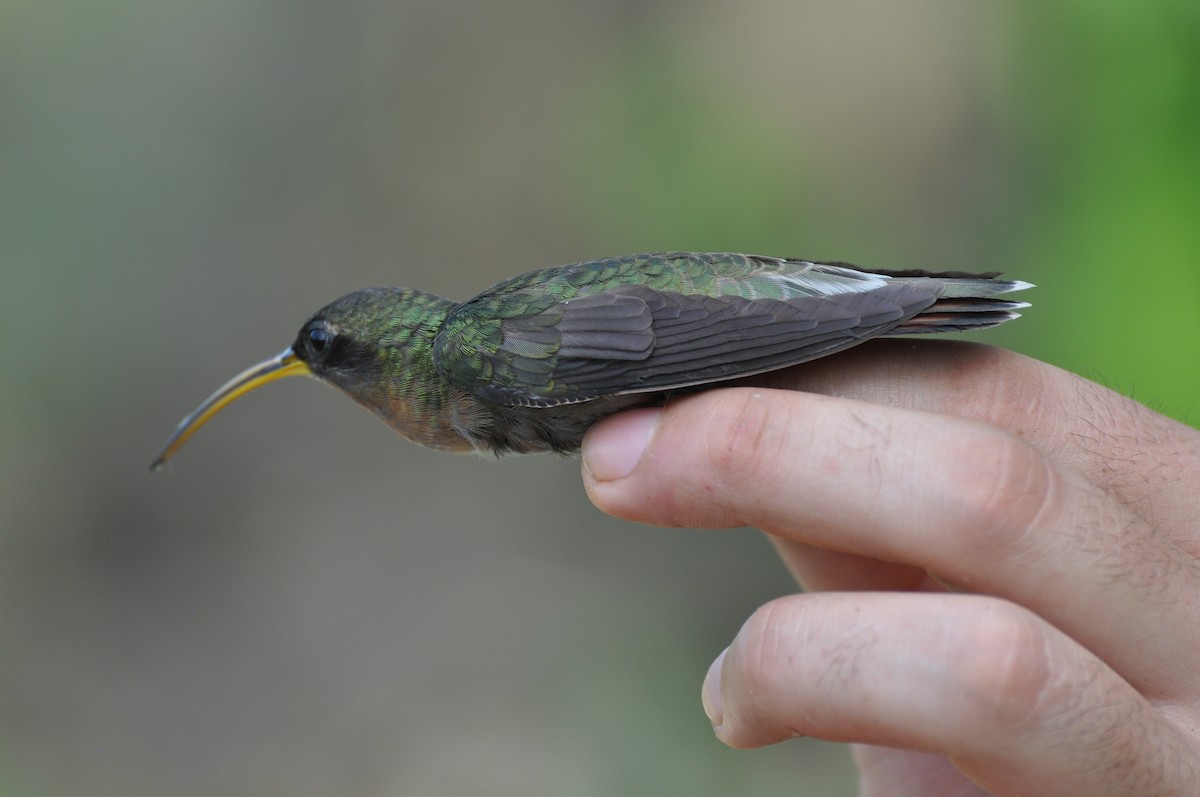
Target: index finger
[1109, 439]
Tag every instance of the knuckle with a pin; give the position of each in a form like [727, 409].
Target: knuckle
[1004, 489]
[1004, 667]
[1009, 394]
[1026, 681]
[744, 438]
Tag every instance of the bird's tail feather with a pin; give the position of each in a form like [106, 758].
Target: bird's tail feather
[967, 302]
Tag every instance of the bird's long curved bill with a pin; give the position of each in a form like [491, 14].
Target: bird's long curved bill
[286, 363]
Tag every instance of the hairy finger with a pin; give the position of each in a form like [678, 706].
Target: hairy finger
[971, 503]
[1017, 706]
[1141, 456]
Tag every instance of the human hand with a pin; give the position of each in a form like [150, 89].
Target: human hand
[1002, 562]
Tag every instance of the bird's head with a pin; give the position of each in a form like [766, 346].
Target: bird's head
[354, 343]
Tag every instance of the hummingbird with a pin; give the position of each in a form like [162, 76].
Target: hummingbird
[532, 362]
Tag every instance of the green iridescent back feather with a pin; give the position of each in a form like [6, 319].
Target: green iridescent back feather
[466, 351]
[707, 273]
[604, 327]
[473, 330]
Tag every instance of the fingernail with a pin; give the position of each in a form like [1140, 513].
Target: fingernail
[613, 447]
[710, 695]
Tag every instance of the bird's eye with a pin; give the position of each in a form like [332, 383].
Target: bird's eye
[318, 344]
[322, 344]
[319, 339]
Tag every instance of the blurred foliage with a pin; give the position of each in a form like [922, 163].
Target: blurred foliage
[311, 606]
[1106, 110]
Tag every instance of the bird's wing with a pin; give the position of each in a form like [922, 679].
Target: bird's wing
[662, 322]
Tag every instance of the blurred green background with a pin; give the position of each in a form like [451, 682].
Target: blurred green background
[309, 605]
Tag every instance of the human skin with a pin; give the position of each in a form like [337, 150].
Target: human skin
[1001, 565]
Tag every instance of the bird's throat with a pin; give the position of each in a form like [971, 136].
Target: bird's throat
[404, 387]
